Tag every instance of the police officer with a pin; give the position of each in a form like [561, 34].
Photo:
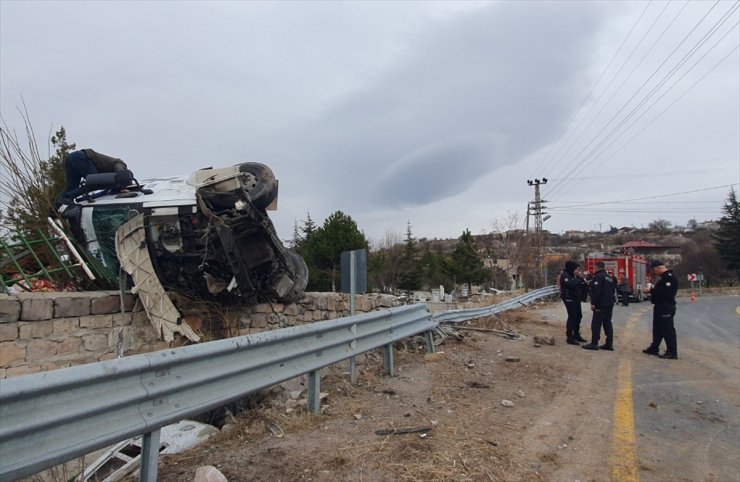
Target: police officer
[663, 298]
[571, 288]
[602, 304]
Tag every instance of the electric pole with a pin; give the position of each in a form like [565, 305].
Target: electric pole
[536, 207]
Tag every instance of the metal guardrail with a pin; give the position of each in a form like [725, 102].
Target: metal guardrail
[458, 316]
[51, 417]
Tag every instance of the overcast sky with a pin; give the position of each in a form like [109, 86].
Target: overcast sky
[431, 113]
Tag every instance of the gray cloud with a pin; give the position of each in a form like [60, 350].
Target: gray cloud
[429, 112]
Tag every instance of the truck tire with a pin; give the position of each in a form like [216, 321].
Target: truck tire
[298, 265]
[264, 189]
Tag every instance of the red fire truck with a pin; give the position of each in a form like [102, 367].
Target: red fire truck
[634, 266]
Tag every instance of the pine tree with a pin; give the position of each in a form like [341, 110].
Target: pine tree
[727, 237]
[323, 249]
[467, 264]
[410, 276]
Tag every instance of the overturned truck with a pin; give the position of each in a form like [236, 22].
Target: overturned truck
[207, 236]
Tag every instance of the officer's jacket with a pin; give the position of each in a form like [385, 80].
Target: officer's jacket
[602, 289]
[570, 286]
[664, 289]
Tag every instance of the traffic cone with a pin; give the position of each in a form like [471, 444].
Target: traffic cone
[693, 296]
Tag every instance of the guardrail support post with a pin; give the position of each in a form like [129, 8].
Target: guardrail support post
[430, 341]
[314, 391]
[353, 370]
[149, 457]
[388, 360]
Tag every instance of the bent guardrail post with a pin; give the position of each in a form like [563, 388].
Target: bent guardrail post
[149, 456]
[429, 338]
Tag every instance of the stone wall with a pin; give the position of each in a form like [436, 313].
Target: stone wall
[47, 331]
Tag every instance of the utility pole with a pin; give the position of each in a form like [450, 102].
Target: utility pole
[536, 207]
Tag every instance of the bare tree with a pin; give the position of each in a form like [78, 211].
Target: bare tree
[385, 261]
[29, 181]
[518, 248]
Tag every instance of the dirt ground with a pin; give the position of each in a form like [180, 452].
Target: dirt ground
[453, 400]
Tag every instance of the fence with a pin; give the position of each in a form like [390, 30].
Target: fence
[52, 417]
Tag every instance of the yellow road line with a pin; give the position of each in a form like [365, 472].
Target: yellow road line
[623, 458]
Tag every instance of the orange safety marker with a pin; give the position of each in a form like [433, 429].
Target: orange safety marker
[693, 296]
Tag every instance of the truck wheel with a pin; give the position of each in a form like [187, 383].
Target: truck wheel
[264, 189]
[298, 265]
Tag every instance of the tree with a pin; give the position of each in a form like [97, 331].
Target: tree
[435, 268]
[467, 264]
[301, 235]
[323, 249]
[662, 226]
[28, 190]
[410, 275]
[518, 249]
[727, 237]
[384, 263]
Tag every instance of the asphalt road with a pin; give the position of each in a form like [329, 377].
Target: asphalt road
[686, 412]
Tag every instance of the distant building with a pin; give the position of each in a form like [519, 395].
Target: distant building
[666, 252]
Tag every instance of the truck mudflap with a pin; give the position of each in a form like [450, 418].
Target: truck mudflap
[133, 254]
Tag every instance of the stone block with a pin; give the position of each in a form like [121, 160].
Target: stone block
[24, 370]
[122, 319]
[264, 308]
[47, 367]
[69, 346]
[10, 309]
[320, 315]
[259, 321]
[8, 331]
[70, 306]
[96, 321]
[39, 351]
[95, 342]
[36, 329]
[364, 304]
[37, 309]
[293, 310]
[10, 354]
[322, 303]
[65, 325]
[140, 318]
[105, 305]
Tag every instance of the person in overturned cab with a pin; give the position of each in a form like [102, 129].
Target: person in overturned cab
[663, 297]
[602, 288]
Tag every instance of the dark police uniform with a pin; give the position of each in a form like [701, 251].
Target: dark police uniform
[571, 292]
[602, 300]
[663, 298]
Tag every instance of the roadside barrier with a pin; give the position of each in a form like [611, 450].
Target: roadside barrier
[52, 417]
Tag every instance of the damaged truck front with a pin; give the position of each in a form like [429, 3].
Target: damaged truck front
[207, 236]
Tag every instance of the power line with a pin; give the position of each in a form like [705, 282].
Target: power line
[615, 76]
[648, 96]
[658, 196]
[547, 160]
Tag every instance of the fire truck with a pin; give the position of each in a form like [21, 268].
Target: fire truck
[634, 266]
